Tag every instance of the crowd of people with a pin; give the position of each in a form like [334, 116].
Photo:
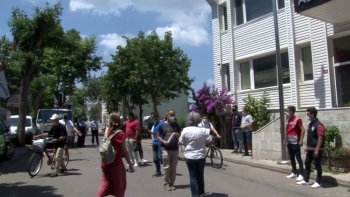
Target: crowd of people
[167, 134]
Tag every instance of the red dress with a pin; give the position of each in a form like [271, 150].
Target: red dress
[113, 180]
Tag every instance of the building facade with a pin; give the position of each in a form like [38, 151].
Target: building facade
[315, 50]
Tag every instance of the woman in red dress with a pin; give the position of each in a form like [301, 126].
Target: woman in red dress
[113, 180]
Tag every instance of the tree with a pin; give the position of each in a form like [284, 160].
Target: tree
[12, 75]
[258, 109]
[30, 37]
[96, 111]
[78, 102]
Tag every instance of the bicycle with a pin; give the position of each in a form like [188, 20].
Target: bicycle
[215, 153]
[36, 160]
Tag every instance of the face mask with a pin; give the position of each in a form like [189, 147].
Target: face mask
[233, 110]
[171, 119]
[205, 120]
[308, 118]
[287, 115]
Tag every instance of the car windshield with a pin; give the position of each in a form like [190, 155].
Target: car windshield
[14, 122]
[44, 115]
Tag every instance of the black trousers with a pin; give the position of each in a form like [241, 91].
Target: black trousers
[81, 140]
[308, 161]
[94, 134]
[295, 153]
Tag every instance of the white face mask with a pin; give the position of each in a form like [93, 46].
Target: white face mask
[308, 118]
[287, 115]
[205, 120]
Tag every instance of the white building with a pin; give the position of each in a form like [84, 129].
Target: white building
[315, 50]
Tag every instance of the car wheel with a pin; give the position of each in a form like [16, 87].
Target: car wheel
[10, 150]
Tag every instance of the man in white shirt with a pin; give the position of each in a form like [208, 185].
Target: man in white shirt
[70, 130]
[246, 126]
[206, 124]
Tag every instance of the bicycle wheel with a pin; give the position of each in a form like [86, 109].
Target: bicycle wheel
[66, 157]
[181, 156]
[216, 157]
[35, 163]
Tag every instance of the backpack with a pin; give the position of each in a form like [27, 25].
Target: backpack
[107, 151]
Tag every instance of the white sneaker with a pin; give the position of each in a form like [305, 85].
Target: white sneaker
[291, 176]
[315, 185]
[300, 178]
[302, 183]
[144, 161]
[136, 165]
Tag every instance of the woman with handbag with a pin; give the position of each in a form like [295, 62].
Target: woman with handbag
[113, 180]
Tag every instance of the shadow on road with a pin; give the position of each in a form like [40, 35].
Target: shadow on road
[20, 189]
[329, 182]
[182, 186]
[216, 195]
[17, 165]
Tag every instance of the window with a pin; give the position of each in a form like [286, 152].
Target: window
[224, 18]
[306, 58]
[265, 74]
[226, 81]
[341, 49]
[245, 76]
[14, 122]
[247, 10]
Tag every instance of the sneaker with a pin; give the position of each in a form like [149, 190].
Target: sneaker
[136, 165]
[173, 187]
[167, 187]
[291, 176]
[302, 183]
[144, 161]
[300, 178]
[315, 185]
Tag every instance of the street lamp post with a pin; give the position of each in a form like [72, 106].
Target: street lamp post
[280, 84]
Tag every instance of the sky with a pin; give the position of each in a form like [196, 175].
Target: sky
[188, 20]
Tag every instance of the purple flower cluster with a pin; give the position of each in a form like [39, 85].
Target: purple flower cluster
[211, 100]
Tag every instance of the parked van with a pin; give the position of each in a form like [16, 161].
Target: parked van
[29, 130]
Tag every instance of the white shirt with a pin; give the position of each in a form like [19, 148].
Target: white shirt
[205, 125]
[245, 121]
[69, 127]
[194, 139]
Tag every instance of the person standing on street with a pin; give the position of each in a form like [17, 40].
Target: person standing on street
[295, 133]
[83, 128]
[94, 132]
[194, 138]
[59, 133]
[156, 145]
[236, 120]
[246, 126]
[132, 128]
[70, 130]
[314, 148]
[168, 134]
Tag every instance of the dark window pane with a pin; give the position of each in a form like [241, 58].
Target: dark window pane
[239, 12]
[257, 8]
[245, 75]
[307, 64]
[342, 49]
[285, 68]
[225, 18]
[281, 4]
[228, 78]
[265, 72]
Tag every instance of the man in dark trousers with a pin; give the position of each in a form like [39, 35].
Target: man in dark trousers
[83, 128]
[314, 148]
[94, 132]
[236, 120]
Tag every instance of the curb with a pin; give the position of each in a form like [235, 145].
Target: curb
[14, 160]
[326, 179]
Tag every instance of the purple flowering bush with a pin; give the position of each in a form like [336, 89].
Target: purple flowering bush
[211, 101]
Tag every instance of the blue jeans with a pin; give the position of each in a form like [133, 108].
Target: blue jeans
[157, 156]
[196, 172]
[237, 139]
[247, 139]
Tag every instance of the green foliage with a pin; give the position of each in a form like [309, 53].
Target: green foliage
[78, 100]
[181, 122]
[331, 133]
[95, 111]
[258, 110]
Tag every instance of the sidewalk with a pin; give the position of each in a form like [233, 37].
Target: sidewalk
[341, 179]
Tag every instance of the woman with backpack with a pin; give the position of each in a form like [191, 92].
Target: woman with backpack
[113, 180]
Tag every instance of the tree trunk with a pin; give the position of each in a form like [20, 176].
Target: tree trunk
[155, 104]
[39, 97]
[23, 107]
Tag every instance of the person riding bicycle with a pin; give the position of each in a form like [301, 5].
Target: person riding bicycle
[206, 124]
[59, 133]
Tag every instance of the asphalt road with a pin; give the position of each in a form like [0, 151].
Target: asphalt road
[84, 174]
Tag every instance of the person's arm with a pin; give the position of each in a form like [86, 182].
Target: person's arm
[250, 118]
[126, 156]
[138, 130]
[75, 129]
[160, 131]
[302, 130]
[42, 135]
[215, 131]
[320, 133]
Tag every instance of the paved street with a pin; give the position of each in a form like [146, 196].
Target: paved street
[84, 176]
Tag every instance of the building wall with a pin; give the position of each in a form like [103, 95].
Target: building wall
[256, 38]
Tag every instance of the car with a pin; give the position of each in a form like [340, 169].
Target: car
[7, 147]
[29, 129]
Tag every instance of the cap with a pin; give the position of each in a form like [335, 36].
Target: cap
[54, 117]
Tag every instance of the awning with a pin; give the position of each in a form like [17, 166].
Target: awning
[331, 11]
